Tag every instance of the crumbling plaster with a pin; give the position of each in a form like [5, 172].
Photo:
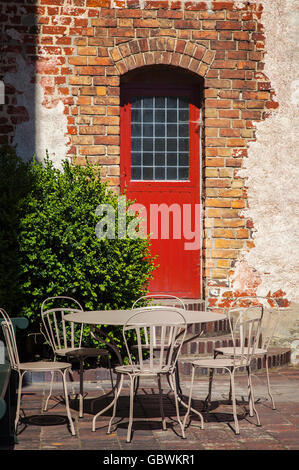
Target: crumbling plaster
[271, 169]
[272, 174]
[45, 127]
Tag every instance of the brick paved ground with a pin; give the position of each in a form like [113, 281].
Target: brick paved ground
[279, 431]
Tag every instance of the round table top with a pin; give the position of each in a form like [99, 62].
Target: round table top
[119, 317]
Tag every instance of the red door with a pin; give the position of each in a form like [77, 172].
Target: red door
[160, 169]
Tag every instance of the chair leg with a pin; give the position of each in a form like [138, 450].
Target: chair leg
[137, 385]
[161, 404]
[252, 398]
[251, 413]
[268, 384]
[207, 401]
[177, 379]
[114, 403]
[63, 374]
[132, 384]
[51, 386]
[21, 375]
[50, 391]
[177, 407]
[232, 382]
[110, 372]
[189, 402]
[190, 397]
[81, 372]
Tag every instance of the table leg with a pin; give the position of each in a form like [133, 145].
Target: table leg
[118, 388]
[100, 335]
[81, 371]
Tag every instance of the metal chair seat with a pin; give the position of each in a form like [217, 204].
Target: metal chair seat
[136, 370]
[229, 351]
[44, 366]
[218, 363]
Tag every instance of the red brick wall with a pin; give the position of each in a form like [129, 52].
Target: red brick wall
[80, 49]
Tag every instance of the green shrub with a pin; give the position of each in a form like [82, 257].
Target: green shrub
[56, 250]
[14, 185]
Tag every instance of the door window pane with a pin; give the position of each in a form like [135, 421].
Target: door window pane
[159, 173]
[148, 173]
[159, 138]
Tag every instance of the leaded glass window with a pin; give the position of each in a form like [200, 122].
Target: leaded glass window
[159, 138]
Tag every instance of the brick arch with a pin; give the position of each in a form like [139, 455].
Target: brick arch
[163, 50]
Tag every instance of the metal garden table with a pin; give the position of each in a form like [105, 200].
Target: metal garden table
[99, 319]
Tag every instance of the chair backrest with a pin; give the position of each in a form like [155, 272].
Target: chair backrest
[61, 334]
[270, 322]
[161, 299]
[10, 339]
[171, 328]
[246, 333]
[158, 300]
[270, 314]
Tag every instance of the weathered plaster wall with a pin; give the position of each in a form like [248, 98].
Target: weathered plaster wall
[272, 169]
[44, 128]
[272, 174]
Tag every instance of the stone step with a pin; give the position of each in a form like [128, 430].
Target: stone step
[277, 357]
[205, 344]
[214, 328]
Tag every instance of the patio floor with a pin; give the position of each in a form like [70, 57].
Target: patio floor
[279, 431]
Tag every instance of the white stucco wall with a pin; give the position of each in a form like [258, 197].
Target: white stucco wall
[272, 166]
[272, 173]
[46, 128]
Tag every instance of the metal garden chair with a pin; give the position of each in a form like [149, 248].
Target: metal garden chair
[245, 338]
[65, 338]
[40, 366]
[146, 326]
[270, 315]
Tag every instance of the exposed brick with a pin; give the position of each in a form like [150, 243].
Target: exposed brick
[229, 132]
[80, 80]
[234, 162]
[226, 45]
[232, 25]
[255, 104]
[92, 70]
[218, 103]
[242, 233]
[91, 130]
[146, 23]
[204, 35]
[92, 150]
[87, 50]
[92, 110]
[217, 122]
[224, 253]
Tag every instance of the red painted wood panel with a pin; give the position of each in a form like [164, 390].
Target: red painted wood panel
[179, 270]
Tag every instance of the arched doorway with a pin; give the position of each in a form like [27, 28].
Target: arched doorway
[160, 169]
